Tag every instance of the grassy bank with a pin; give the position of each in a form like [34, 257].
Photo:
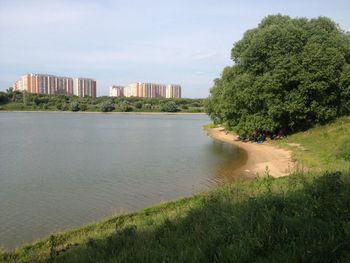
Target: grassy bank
[323, 147]
[301, 218]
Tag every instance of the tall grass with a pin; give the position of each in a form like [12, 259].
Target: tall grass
[303, 218]
[322, 147]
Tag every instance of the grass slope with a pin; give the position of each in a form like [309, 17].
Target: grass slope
[323, 147]
[301, 218]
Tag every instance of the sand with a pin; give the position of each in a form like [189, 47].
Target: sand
[259, 156]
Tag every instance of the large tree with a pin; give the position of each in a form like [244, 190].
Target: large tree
[288, 75]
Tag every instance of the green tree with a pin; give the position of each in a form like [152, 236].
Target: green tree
[138, 105]
[17, 96]
[4, 98]
[170, 106]
[107, 106]
[288, 75]
[125, 106]
[26, 98]
[9, 92]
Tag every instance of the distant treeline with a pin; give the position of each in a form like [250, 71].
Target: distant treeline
[17, 100]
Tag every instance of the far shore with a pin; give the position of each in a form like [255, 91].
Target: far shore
[260, 157]
[112, 112]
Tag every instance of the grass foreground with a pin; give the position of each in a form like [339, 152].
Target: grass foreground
[304, 217]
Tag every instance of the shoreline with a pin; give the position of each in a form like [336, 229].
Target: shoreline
[260, 157]
[126, 113]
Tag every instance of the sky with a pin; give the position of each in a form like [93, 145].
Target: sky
[186, 42]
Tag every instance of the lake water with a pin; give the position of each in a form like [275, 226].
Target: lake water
[62, 170]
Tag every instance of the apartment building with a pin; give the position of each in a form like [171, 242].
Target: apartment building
[44, 84]
[152, 90]
[116, 91]
[173, 91]
[131, 90]
[85, 87]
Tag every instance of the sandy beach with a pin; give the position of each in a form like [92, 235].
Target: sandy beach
[260, 156]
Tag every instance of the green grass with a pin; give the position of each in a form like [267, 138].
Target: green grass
[301, 218]
[210, 126]
[323, 147]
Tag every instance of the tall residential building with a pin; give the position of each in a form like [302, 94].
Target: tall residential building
[45, 84]
[173, 91]
[85, 87]
[131, 90]
[116, 91]
[152, 90]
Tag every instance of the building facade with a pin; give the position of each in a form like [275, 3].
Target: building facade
[131, 90]
[152, 90]
[44, 84]
[116, 91]
[85, 87]
[173, 91]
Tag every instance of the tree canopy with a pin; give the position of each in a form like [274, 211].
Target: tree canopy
[288, 74]
[22, 100]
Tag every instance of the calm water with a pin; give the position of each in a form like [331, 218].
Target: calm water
[61, 170]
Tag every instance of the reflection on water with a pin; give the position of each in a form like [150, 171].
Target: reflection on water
[233, 159]
[62, 170]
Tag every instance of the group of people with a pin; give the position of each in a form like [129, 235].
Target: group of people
[260, 137]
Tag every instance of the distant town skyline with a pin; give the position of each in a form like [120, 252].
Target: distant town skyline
[118, 42]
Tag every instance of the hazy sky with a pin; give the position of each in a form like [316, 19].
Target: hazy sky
[119, 42]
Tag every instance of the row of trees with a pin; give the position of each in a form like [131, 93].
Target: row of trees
[288, 75]
[17, 100]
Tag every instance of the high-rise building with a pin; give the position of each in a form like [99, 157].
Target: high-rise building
[85, 87]
[152, 90]
[131, 90]
[116, 91]
[173, 91]
[44, 84]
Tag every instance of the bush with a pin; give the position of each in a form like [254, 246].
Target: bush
[138, 105]
[83, 107]
[170, 107]
[125, 106]
[74, 106]
[196, 104]
[40, 99]
[64, 106]
[58, 106]
[107, 106]
[147, 106]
